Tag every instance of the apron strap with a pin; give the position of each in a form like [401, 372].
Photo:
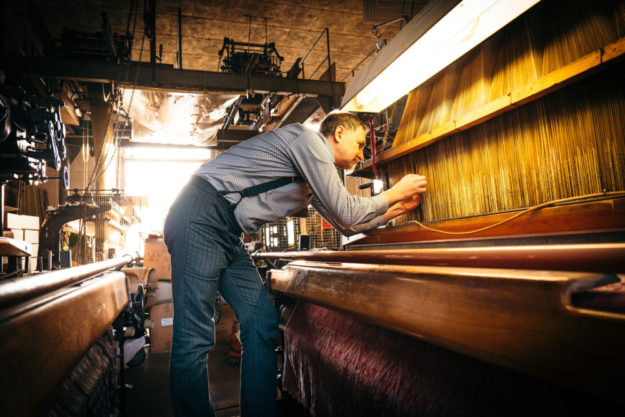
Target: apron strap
[260, 188]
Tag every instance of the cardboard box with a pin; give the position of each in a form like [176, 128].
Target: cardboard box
[20, 221]
[156, 256]
[18, 234]
[32, 264]
[161, 334]
[31, 236]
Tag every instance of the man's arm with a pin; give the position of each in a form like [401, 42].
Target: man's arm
[397, 209]
[313, 160]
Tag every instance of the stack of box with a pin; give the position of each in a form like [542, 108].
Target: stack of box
[157, 257]
[25, 228]
[162, 316]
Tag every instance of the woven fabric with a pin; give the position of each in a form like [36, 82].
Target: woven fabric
[337, 365]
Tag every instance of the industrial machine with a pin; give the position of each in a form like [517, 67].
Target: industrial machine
[252, 58]
[32, 138]
[245, 117]
[503, 293]
[70, 312]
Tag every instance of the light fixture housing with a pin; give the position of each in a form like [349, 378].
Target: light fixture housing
[444, 31]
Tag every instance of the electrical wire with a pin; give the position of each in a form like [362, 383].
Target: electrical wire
[521, 213]
[98, 171]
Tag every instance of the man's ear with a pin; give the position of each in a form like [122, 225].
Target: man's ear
[338, 133]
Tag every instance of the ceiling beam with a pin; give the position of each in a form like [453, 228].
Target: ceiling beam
[166, 77]
[153, 145]
[235, 135]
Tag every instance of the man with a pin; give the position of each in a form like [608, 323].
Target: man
[258, 181]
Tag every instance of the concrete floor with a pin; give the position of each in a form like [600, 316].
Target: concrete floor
[147, 394]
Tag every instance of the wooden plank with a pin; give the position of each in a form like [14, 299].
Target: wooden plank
[41, 344]
[587, 217]
[547, 84]
[15, 247]
[556, 79]
[522, 320]
[488, 111]
[614, 50]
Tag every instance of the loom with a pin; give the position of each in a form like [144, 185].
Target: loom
[58, 330]
[504, 290]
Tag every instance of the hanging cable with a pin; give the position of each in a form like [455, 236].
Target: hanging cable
[373, 150]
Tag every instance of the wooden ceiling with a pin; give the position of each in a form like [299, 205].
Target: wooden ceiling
[293, 25]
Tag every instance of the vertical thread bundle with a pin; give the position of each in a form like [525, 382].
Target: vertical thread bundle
[571, 142]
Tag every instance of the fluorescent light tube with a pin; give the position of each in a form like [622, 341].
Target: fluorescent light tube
[468, 24]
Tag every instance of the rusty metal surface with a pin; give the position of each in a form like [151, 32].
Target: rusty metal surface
[41, 344]
[140, 276]
[520, 319]
[13, 291]
[602, 257]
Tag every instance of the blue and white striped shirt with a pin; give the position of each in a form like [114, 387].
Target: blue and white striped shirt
[293, 150]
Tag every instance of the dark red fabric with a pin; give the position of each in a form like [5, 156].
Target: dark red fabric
[605, 298]
[337, 365]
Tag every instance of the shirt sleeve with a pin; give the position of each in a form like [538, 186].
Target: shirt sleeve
[349, 230]
[313, 159]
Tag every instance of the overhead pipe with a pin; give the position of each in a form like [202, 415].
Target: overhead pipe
[15, 290]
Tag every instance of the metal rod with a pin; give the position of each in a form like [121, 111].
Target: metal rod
[152, 23]
[359, 64]
[319, 66]
[1, 207]
[13, 291]
[1, 217]
[179, 54]
[604, 257]
[330, 77]
[388, 22]
[313, 47]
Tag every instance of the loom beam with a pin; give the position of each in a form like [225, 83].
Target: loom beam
[13, 291]
[520, 319]
[44, 337]
[604, 257]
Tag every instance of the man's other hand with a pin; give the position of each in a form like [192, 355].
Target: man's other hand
[407, 187]
[402, 207]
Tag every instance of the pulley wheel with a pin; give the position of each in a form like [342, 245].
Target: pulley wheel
[65, 177]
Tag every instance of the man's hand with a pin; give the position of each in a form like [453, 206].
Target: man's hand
[410, 204]
[405, 189]
[402, 207]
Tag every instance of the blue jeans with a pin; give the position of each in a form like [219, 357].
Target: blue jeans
[207, 255]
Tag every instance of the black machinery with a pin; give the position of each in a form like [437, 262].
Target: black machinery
[32, 137]
[248, 113]
[252, 58]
